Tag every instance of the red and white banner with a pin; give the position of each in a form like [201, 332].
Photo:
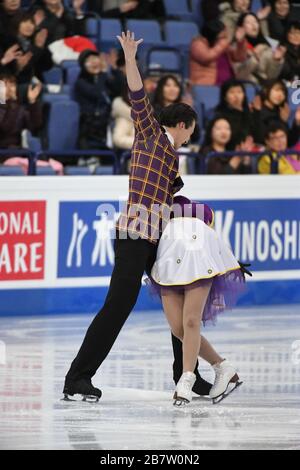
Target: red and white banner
[22, 240]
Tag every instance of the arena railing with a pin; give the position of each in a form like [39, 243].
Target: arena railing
[9, 153]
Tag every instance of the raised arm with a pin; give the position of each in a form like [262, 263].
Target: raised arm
[141, 110]
[130, 47]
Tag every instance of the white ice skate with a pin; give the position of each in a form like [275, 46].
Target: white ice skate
[183, 393]
[226, 381]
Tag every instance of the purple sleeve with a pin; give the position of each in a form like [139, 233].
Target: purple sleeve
[142, 114]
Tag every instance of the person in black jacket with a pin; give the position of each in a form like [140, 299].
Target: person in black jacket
[272, 105]
[281, 15]
[291, 68]
[93, 91]
[234, 107]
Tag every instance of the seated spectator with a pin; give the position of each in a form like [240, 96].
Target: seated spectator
[14, 118]
[34, 58]
[123, 131]
[218, 139]
[291, 68]
[263, 62]
[59, 21]
[92, 91]
[276, 140]
[212, 56]
[10, 11]
[169, 91]
[232, 10]
[280, 16]
[273, 105]
[234, 107]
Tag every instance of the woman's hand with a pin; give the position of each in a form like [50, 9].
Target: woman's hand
[33, 92]
[41, 38]
[285, 112]
[11, 54]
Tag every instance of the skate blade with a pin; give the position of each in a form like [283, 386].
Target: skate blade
[226, 393]
[179, 401]
[81, 398]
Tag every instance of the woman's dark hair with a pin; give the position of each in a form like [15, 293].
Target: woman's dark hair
[275, 126]
[232, 83]
[273, 2]
[266, 91]
[172, 115]
[260, 39]
[208, 132]
[25, 16]
[211, 31]
[158, 98]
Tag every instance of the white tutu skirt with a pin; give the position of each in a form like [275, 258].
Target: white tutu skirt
[191, 254]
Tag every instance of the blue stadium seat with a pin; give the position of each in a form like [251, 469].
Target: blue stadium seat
[294, 98]
[53, 76]
[196, 10]
[45, 171]
[104, 170]
[11, 170]
[63, 123]
[92, 30]
[206, 95]
[178, 8]
[149, 30]
[256, 5]
[109, 29]
[166, 60]
[72, 73]
[180, 33]
[251, 91]
[77, 171]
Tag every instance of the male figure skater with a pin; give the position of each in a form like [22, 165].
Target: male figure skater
[153, 182]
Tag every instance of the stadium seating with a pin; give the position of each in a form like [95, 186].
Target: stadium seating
[63, 123]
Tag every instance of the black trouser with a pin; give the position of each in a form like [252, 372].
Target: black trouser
[132, 258]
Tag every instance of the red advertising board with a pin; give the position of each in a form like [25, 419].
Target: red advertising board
[22, 240]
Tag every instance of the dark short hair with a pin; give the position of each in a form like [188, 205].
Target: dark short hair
[275, 126]
[172, 115]
[8, 76]
[211, 30]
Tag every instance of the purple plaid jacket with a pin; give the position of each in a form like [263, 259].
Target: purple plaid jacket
[154, 177]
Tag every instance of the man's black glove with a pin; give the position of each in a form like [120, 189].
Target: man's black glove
[244, 269]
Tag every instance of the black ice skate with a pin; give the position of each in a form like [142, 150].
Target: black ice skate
[82, 387]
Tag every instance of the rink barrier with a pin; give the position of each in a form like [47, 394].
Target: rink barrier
[55, 256]
[120, 162]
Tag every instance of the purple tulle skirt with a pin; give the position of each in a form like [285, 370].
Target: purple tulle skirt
[223, 295]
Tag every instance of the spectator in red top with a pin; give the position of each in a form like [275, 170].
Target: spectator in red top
[212, 56]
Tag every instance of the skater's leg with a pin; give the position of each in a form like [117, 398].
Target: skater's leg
[208, 353]
[173, 308]
[131, 257]
[194, 303]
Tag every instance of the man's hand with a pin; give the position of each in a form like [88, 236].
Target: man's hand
[129, 45]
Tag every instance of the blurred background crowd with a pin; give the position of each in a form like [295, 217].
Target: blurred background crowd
[64, 96]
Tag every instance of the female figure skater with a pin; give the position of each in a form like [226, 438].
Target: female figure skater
[197, 277]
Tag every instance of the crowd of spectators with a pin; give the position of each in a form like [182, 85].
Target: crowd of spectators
[235, 47]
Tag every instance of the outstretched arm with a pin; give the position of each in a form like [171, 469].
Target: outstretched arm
[141, 109]
[130, 47]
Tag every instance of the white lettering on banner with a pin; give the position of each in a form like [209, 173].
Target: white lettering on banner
[79, 231]
[277, 248]
[290, 240]
[103, 248]
[18, 223]
[260, 240]
[19, 258]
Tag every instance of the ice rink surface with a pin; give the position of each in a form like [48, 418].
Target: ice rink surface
[136, 410]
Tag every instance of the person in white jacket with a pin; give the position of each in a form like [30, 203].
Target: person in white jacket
[123, 131]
